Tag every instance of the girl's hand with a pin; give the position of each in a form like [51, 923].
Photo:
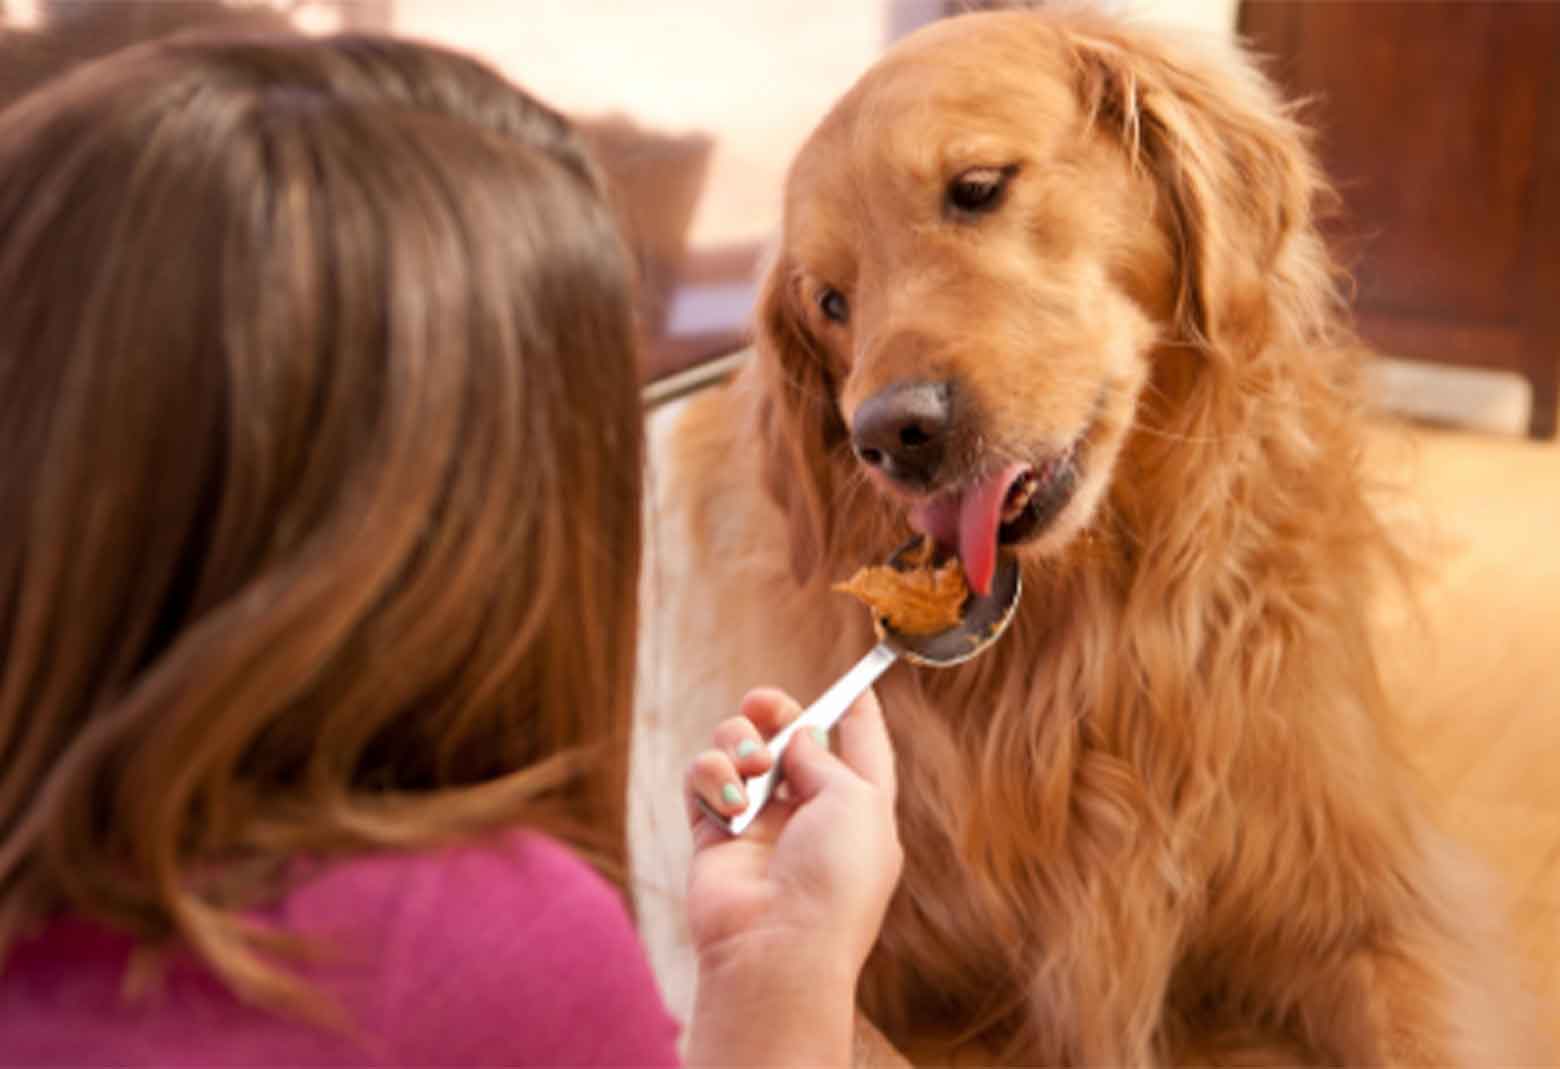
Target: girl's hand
[811, 878]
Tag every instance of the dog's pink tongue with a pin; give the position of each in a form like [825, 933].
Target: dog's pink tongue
[969, 521]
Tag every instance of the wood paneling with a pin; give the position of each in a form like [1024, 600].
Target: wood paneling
[1440, 125]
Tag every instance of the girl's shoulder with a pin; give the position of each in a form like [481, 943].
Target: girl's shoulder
[509, 882]
[508, 951]
[502, 868]
[483, 937]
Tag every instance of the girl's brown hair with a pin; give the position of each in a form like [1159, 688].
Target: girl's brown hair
[320, 469]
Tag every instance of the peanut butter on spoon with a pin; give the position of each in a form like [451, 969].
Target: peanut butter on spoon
[921, 599]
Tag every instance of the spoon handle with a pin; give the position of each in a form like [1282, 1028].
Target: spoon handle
[822, 714]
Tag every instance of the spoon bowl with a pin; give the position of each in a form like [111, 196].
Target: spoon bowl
[983, 618]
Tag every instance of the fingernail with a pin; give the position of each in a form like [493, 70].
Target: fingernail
[746, 748]
[822, 736]
[731, 794]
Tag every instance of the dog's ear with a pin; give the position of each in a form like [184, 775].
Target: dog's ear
[1235, 170]
[799, 424]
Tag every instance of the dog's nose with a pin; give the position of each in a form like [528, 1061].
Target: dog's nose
[903, 430]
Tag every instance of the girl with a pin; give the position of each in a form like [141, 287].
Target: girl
[320, 461]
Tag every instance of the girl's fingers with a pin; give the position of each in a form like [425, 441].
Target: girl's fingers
[740, 739]
[865, 755]
[810, 768]
[864, 744]
[769, 709]
[712, 779]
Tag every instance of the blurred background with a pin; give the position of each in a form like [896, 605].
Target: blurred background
[1439, 121]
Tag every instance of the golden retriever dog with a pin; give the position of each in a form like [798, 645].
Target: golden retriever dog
[1052, 286]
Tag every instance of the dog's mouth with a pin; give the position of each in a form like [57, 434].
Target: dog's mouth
[1008, 506]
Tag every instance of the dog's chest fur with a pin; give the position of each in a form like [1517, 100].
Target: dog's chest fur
[1057, 820]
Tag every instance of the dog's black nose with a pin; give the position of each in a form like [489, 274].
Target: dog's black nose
[903, 431]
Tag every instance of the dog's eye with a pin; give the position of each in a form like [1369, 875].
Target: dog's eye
[832, 303]
[979, 189]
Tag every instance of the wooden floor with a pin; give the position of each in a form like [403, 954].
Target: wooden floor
[1479, 678]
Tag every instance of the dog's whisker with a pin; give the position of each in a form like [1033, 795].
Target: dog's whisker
[1175, 436]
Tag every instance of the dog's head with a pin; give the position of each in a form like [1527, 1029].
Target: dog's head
[993, 245]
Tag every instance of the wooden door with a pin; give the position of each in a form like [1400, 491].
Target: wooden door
[1440, 124]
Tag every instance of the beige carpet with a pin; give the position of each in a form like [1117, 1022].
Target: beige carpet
[1479, 678]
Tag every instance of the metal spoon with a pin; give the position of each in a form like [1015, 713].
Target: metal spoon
[985, 618]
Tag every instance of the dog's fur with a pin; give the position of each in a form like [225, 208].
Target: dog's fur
[1163, 819]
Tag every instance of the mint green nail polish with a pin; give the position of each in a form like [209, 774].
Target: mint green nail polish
[731, 794]
[746, 748]
[822, 736]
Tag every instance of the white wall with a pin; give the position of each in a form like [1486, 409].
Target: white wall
[757, 74]
[21, 12]
[1211, 16]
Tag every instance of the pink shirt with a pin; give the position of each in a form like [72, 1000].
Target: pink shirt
[513, 953]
